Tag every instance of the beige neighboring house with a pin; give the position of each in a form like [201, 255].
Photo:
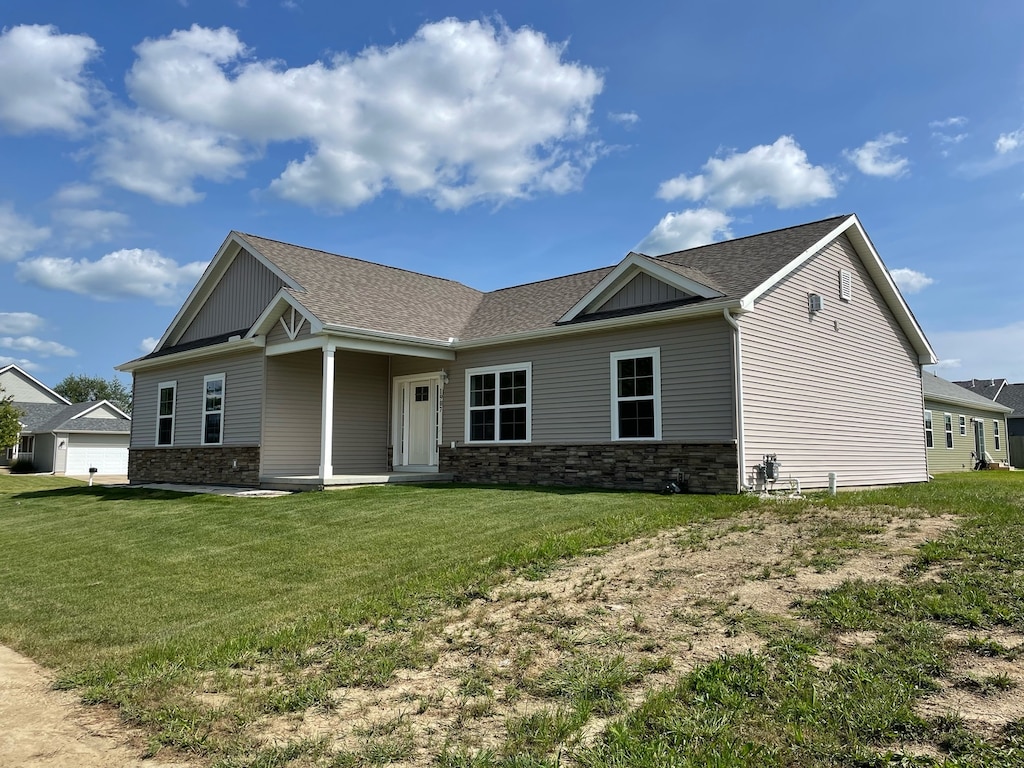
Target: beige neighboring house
[961, 426]
[62, 437]
[294, 367]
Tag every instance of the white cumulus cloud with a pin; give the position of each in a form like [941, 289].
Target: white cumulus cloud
[877, 158]
[1008, 142]
[25, 365]
[90, 226]
[148, 344]
[779, 173]
[910, 280]
[161, 158]
[36, 346]
[77, 193]
[18, 235]
[20, 323]
[125, 274]
[686, 229]
[949, 122]
[44, 84]
[460, 113]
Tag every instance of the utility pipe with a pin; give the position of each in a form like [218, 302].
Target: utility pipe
[738, 391]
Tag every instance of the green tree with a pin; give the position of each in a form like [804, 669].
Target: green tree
[9, 424]
[80, 389]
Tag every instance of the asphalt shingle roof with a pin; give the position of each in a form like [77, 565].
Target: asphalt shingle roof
[1010, 395]
[938, 388]
[344, 291]
[45, 417]
[341, 290]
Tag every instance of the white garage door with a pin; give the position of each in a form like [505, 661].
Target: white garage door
[108, 453]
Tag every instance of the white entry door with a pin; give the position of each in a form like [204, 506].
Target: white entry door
[417, 421]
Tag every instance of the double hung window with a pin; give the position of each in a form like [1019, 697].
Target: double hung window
[213, 409]
[636, 394]
[499, 404]
[165, 413]
[949, 430]
[995, 434]
[928, 438]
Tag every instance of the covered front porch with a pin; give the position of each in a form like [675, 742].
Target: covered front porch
[340, 412]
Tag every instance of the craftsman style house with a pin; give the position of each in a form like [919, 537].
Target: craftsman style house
[291, 367]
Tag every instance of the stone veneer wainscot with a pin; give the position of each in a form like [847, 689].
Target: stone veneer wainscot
[706, 468]
[220, 465]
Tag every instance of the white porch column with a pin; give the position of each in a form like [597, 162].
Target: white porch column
[327, 414]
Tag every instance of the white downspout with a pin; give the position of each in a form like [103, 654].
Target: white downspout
[737, 353]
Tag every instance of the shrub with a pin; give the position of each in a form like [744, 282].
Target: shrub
[23, 467]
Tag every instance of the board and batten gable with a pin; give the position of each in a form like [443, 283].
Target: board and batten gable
[243, 400]
[836, 390]
[959, 458]
[571, 382]
[241, 294]
[643, 290]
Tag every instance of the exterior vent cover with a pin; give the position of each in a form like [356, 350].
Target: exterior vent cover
[815, 302]
[845, 284]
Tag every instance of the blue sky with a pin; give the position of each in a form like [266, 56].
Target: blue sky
[496, 145]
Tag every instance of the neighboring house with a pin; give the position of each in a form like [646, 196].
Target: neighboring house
[289, 366]
[1012, 396]
[960, 426]
[63, 437]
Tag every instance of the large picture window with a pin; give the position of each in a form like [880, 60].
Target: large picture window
[636, 394]
[498, 404]
[213, 409]
[165, 413]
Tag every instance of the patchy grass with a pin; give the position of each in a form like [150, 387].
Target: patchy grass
[842, 638]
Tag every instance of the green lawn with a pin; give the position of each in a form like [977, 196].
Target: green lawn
[133, 596]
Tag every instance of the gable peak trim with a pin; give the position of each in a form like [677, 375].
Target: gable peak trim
[633, 264]
[22, 372]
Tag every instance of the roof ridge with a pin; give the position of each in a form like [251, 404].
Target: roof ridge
[747, 237]
[549, 279]
[362, 261]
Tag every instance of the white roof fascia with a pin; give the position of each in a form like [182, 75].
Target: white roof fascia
[334, 329]
[625, 271]
[227, 252]
[275, 308]
[643, 318]
[876, 267]
[223, 348]
[34, 380]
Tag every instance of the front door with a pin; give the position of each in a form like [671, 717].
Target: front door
[417, 421]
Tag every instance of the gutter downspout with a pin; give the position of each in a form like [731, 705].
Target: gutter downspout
[738, 390]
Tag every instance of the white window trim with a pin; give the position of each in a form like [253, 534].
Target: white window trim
[995, 434]
[203, 412]
[947, 428]
[498, 369]
[655, 354]
[929, 430]
[963, 426]
[173, 386]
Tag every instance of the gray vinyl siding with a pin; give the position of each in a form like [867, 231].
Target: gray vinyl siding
[291, 433]
[23, 391]
[291, 440]
[408, 366]
[641, 291]
[243, 392]
[834, 391]
[242, 293]
[571, 385]
[42, 454]
[360, 413]
[958, 458]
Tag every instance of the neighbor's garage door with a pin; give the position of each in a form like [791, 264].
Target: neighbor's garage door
[108, 453]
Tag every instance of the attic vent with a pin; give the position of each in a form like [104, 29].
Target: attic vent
[815, 302]
[845, 284]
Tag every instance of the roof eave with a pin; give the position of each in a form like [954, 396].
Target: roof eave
[224, 347]
[989, 405]
[712, 307]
